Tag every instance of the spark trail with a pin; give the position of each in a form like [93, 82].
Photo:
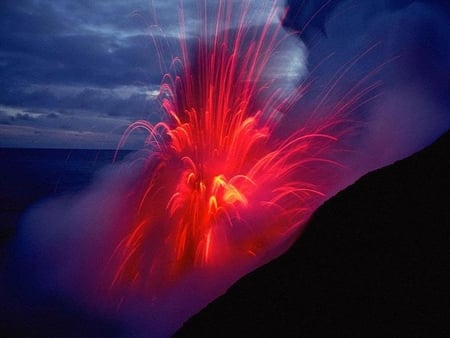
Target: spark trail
[223, 183]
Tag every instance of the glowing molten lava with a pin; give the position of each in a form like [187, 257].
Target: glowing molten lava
[222, 183]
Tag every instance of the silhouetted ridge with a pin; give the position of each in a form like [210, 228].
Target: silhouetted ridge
[373, 261]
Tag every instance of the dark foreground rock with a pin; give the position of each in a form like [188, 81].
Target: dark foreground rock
[374, 261]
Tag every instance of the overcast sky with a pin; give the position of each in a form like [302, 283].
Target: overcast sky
[75, 73]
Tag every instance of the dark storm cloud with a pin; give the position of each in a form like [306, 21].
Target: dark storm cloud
[83, 59]
[78, 57]
[97, 101]
[81, 42]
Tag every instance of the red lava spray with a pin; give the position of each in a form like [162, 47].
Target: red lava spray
[223, 184]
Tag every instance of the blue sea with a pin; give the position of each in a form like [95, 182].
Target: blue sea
[29, 175]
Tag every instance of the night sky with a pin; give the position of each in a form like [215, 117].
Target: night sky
[75, 73]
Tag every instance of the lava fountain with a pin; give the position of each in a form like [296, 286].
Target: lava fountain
[224, 184]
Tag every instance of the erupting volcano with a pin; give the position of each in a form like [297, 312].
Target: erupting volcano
[247, 115]
[224, 183]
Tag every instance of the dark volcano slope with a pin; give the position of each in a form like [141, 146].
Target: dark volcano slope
[373, 261]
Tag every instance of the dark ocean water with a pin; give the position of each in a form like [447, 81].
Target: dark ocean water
[30, 175]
